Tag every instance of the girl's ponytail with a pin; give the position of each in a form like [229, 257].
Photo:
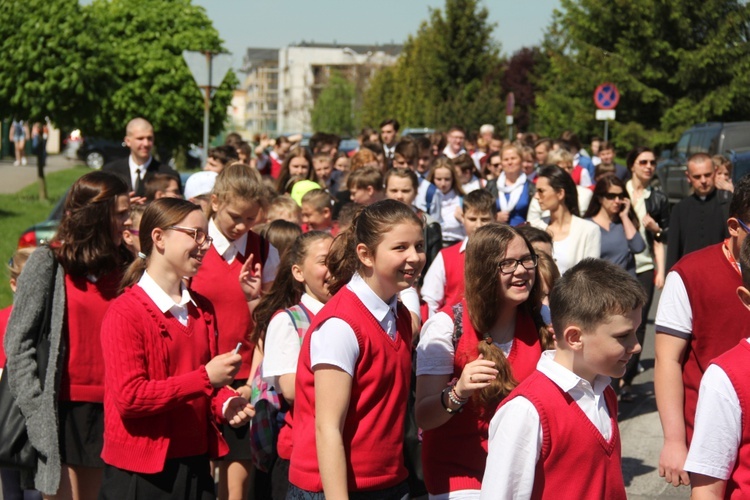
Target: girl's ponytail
[342, 261]
[134, 272]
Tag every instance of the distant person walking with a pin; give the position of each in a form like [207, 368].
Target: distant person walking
[19, 132]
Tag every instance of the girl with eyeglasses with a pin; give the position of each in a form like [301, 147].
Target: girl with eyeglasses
[611, 210]
[72, 283]
[235, 269]
[651, 206]
[165, 381]
[472, 354]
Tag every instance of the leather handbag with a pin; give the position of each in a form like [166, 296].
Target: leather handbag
[16, 451]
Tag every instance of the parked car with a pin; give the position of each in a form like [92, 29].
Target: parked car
[712, 138]
[417, 132]
[97, 151]
[42, 232]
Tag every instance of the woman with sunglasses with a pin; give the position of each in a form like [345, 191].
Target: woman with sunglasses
[165, 381]
[611, 210]
[651, 206]
[472, 354]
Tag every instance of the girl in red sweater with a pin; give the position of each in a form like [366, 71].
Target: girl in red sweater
[472, 354]
[282, 319]
[81, 269]
[236, 203]
[354, 368]
[165, 383]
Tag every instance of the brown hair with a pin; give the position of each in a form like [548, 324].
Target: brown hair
[745, 262]
[590, 293]
[160, 213]
[601, 189]
[18, 260]
[83, 244]
[238, 182]
[158, 182]
[364, 178]
[407, 148]
[444, 162]
[361, 158]
[318, 199]
[547, 270]
[284, 175]
[280, 204]
[480, 201]
[402, 174]
[368, 228]
[281, 234]
[286, 291]
[486, 248]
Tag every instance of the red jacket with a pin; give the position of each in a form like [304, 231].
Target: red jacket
[575, 460]
[711, 283]
[736, 364]
[454, 454]
[141, 402]
[219, 282]
[374, 427]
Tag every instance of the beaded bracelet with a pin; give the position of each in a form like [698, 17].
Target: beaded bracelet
[445, 406]
[455, 399]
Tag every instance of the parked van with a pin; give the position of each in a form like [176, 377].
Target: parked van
[712, 138]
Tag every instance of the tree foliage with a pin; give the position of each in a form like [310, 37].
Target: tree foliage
[520, 77]
[675, 62]
[333, 110]
[448, 73]
[95, 67]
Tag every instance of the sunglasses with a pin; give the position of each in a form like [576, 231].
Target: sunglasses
[612, 196]
[646, 162]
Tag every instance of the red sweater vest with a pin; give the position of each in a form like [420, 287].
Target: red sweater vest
[711, 283]
[454, 455]
[453, 260]
[4, 316]
[148, 394]
[85, 305]
[219, 282]
[301, 318]
[736, 363]
[374, 427]
[571, 441]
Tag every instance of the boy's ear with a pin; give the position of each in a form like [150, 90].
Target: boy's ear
[214, 203]
[744, 295]
[326, 212]
[572, 336]
[370, 190]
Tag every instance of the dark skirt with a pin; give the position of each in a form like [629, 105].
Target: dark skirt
[81, 433]
[187, 478]
[398, 492]
[280, 479]
[238, 438]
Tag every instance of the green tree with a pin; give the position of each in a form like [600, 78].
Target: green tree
[50, 63]
[448, 73]
[333, 111]
[147, 76]
[676, 62]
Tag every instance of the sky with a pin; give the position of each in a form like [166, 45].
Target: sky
[278, 23]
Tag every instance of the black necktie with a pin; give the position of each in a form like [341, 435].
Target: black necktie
[138, 181]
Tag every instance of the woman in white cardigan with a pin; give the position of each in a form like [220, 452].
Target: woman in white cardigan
[573, 238]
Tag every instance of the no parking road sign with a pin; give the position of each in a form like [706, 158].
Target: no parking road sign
[606, 96]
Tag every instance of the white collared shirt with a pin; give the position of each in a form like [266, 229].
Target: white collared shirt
[134, 166]
[335, 343]
[433, 288]
[515, 439]
[229, 250]
[282, 344]
[448, 152]
[164, 302]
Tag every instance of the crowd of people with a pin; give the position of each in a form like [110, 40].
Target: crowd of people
[452, 316]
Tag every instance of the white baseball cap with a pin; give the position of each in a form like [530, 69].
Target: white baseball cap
[200, 183]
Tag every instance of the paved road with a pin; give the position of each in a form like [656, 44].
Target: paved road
[13, 179]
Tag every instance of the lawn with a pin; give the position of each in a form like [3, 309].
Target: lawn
[23, 209]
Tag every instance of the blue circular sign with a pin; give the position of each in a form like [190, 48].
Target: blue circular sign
[606, 96]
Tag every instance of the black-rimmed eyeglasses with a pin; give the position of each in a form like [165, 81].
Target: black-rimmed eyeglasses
[509, 266]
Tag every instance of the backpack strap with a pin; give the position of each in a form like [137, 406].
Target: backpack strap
[431, 190]
[458, 329]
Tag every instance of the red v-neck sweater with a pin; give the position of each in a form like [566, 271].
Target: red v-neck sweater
[454, 454]
[374, 427]
[150, 397]
[575, 461]
[219, 282]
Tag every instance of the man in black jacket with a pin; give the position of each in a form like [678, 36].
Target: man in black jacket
[139, 166]
[700, 219]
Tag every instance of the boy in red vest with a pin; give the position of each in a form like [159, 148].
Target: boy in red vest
[719, 456]
[564, 415]
[444, 281]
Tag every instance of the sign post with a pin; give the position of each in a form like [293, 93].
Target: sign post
[204, 65]
[510, 104]
[606, 98]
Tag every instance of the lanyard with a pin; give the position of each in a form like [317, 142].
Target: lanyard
[730, 257]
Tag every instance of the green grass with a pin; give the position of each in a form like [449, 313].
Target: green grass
[23, 209]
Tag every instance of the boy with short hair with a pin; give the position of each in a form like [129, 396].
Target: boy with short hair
[317, 212]
[719, 455]
[564, 416]
[366, 186]
[444, 280]
[283, 207]
[162, 186]
[327, 177]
